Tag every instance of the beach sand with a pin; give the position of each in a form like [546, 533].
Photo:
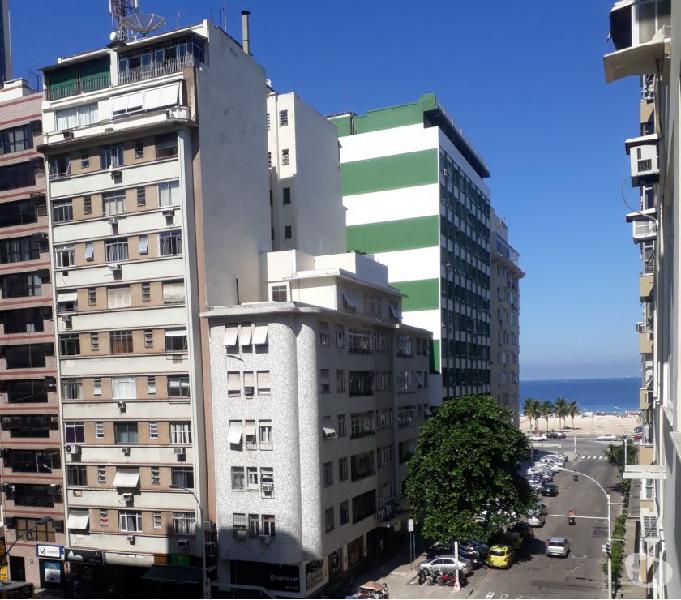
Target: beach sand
[587, 426]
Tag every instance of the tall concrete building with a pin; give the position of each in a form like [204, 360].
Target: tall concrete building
[29, 420]
[416, 198]
[5, 42]
[158, 190]
[505, 327]
[321, 393]
[647, 46]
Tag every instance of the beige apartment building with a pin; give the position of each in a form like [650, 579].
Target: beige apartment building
[158, 193]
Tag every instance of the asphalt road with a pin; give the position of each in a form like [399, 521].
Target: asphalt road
[534, 575]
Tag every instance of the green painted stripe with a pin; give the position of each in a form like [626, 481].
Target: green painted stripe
[435, 356]
[421, 295]
[390, 172]
[406, 234]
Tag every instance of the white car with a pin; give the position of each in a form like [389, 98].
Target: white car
[607, 437]
[536, 519]
[558, 546]
[554, 468]
[557, 458]
[538, 438]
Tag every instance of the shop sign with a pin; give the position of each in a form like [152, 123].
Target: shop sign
[85, 556]
[43, 551]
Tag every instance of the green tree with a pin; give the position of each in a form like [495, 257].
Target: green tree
[546, 410]
[465, 463]
[561, 410]
[572, 411]
[531, 410]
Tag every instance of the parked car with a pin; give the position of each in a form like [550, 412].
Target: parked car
[555, 467]
[607, 437]
[523, 528]
[556, 435]
[483, 549]
[469, 552]
[557, 458]
[549, 489]
[540, 508]
[637, 437]
[500, 557]
[536, 519]
[557, 546]
[538, 437]
[446, 564]
[536, 484]
[440, 549]
[547, 477]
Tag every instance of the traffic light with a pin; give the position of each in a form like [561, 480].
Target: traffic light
[607, 548]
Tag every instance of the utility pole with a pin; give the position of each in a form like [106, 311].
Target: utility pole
[609, 553]
[457, 582]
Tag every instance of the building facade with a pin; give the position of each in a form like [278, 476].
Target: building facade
[156, 152]
[416, 198]
[29, 423]
[648, 48]
[505, 329]
[321, 394]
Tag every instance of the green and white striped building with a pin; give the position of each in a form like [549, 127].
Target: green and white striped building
[415, 195]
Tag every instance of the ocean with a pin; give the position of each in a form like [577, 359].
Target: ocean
[606, 395]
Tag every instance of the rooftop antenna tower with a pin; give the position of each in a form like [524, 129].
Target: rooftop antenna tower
[129, 23]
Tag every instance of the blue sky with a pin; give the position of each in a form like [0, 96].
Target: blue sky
[526, 85]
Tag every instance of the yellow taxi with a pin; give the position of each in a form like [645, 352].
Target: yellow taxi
[500, 557]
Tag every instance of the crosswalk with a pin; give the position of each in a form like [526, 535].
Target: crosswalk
[592, 457]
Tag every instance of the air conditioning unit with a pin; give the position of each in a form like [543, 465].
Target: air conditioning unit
[114, 266]
[126, 451]
[445, 172]
[168, 212]
[183, 544]
[241, 534]
[249, 391]
[268, 488]
[131, 539]
[72, 450]
[68, 134]
[179, 450]
[128, 498]
[122, 406]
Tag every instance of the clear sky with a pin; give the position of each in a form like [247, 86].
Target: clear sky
[525, 82]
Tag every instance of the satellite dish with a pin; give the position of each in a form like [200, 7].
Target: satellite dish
[142, 23]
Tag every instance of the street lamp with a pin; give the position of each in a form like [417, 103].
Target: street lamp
[204, 571]
[607, 498]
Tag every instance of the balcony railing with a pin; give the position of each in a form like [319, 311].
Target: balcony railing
[167, 67]
[79, 86]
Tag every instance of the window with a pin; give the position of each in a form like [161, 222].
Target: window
[101, 474]
[268, 528]
[151, 384]
[169, 193]
[342, 426]
[32, 529]
[253, 525]
[84, 159]
[362, 424]
[344, 512]
[361, 383]
[268, 121]
[264, 383]
[62, 211]
[265, 435]
[363, 506]
[362, 465]
[103, 517]
[279, 293]
[328, 474]
[121, 342]
[171, 242]
[178, 386]
[141, 196]
[78, 116]
[269, 159]
[239, 524]
[166, 146]
[64, 256]
[99, 430]
[130, 520]
[94, 342]
[139, 149]
[184, 523]
[87, 205]
[123, 388]
[157, 520]
[69, 344]
[340, 336]
[233, 383]
[283, 118]
[342, 468]
[285, 156]
[111, 157]
[329, 519]
[97, 386]
[116, 250]
[252, 478]
[287, 195]
[153, 430]
[325, 386]
[148, 338]
[181, 433]
[324, 334]
[59, 167]
[182, 477]
[74, 433]
[238, 478]
[288, 232]
[267, 482]
[89, 251]
[146, 292]
[125, 433]
[119, 297]
[340, 380]
[91, 296]
[71, 389]
[76, 475]
[143, 244]
[156, 475]
[176, 340]
[173, 292]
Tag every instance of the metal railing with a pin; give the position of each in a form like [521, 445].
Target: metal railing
[79, 86]
[166, 67]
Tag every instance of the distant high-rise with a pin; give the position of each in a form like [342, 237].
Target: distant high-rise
[5, 43]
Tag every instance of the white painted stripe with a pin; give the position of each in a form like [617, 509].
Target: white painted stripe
[425, 319]
[392, 205]
[388, 142]
[582, 457]
[411, 265]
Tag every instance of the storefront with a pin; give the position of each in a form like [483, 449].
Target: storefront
[51, 565]
[270, 576]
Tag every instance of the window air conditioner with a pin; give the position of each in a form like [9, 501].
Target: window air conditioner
[113, 220]
[128, 498]
[268, 488]
[179, 450]
[121, 405]
[68, 134]
[126, 451]
[183, 544]
[131, 539]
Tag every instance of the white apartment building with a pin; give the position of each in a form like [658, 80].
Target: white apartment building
[319, 393]
[305, 185]
[158, 189]
[505, 330]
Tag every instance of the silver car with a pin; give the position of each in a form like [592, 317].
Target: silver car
[447, 564]
[557, 546]
[536, 519]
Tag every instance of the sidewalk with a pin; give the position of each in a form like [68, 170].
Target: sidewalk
[631, 588]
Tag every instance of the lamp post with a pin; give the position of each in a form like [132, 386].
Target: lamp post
[609, 503]
[204, 571]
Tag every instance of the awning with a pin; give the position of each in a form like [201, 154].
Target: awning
[245, 335]
[176, 333]
[126, 478]
[329, 432]
[644, 472]
[635, 60]
[260, 335]
[175, 575]
[78, 519]
[67, 297]
[393, 313]
[231, 334]
[349, 301]
[235, 433]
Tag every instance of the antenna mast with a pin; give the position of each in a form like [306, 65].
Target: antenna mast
[129, 23]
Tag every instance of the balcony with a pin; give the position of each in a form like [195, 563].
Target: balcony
[645, 399]
[38, 370]
[646, 454]
[28, 262]
[77, 78]
[642, 152]
[646, 284]
[23, 293]
[166, 67]
[39, 332]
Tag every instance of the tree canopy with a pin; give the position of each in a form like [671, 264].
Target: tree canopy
[465, 463]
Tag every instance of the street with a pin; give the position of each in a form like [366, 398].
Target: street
[534, 574]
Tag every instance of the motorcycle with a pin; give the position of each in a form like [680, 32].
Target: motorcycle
[575, 477]
[571, 517]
